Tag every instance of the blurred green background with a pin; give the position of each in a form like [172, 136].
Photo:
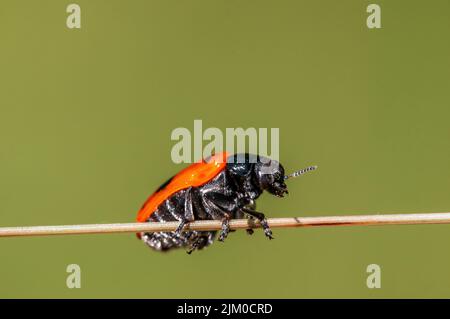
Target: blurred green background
[86, 117]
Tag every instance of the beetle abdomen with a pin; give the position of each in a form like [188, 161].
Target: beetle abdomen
[173, 209]
[165, 241]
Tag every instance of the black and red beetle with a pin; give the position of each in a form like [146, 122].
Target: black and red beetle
[222, 187]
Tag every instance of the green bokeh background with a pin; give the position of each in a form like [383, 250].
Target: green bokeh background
[86, 117]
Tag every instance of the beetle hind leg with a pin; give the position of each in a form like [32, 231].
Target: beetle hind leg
[188, 215]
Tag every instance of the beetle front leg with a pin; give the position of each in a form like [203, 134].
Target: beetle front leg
[240, 215]
[262, 219]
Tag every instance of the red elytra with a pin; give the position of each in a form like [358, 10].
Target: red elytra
[194, 175]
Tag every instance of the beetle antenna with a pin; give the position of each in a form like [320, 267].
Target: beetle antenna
[301, 172]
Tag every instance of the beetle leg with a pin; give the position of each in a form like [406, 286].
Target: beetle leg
[262, 219]
[188, 215]
[180, 227]
[225, 229]
[220, 206]
[194, 245]
[252, 206]
[201, 240]
[219, 211]
[240, 215]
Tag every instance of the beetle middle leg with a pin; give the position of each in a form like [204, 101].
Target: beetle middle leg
[225, 229]
[220, 206]
[196, 244]
[200, 240]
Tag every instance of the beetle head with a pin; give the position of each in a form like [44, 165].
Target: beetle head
[270, 176]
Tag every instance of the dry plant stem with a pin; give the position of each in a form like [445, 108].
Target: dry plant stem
[355, 220]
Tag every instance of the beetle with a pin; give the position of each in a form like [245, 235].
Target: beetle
[221, 187]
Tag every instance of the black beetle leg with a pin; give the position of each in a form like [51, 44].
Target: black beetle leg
[219, 206]
[181, 226]
[188, 211]
[201, 241]
[240, 215]
[262, 219]
[225, 228]
[194, 245]
[252, 206]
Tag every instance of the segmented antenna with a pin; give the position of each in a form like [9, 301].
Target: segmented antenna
[301, 172]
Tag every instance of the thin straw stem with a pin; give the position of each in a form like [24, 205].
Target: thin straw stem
[205, 225]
